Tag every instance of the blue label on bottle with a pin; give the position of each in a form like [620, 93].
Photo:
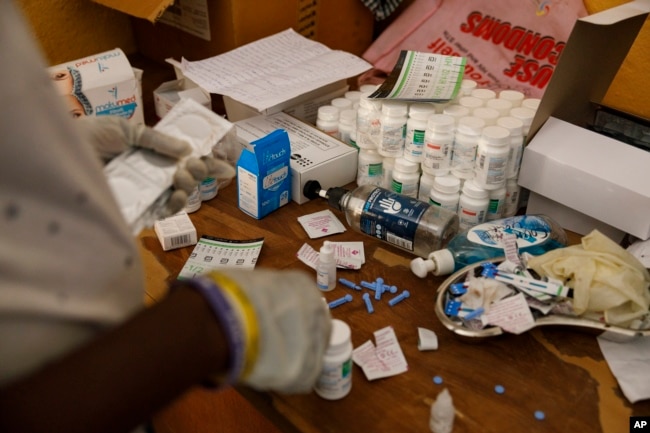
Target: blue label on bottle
[392, 217]
[529, 229]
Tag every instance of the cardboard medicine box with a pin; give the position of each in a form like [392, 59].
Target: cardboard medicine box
[314, 154]
[101, 84]
[576, 175]
[198, 29]
[263, 175]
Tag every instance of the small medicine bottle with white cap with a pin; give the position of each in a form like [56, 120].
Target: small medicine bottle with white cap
[326, 270]
[335, 380]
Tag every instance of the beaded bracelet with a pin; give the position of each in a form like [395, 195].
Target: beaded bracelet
[228, 319]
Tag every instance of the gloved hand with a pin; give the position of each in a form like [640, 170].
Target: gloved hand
[113, 135]
[285, 325]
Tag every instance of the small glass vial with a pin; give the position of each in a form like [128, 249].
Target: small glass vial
[416, 126]
[515, 97]
[335, 380]
[193, 201]
[445, 192]
[405, 177]
[468, 131]
[512, 198]
[492, 157]
[326, 269]
[439, 141]
[347, 122]
[392, 130]
[424, 189]
[515, 126]
[497, 204]
[387, 166]
[472, 206]
[370, 167]
[328, 120]
[208, 188]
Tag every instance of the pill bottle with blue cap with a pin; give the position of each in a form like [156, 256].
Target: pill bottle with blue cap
[335, 380]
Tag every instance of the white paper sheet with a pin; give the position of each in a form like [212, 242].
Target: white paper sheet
[271, 70]
[629, 361]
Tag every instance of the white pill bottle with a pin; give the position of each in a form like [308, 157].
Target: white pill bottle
[335, 380]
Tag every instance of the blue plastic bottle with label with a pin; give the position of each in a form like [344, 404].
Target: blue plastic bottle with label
[403, 222]
[536, 234]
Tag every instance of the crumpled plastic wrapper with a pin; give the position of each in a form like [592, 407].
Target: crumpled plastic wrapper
[605, 278]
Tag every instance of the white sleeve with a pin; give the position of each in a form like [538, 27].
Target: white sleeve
[68, 263]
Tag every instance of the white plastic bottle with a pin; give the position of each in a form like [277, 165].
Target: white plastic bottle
[193, 201]
[368, 122]
[208, 188]
[468, 131]
[515, 126]
[503, 106]
[426, 183]
[416, 126]
[392, 130]
[514, 96]
[405, 223]
[445, 192]
[387, 166]
[531, 103]
[489, 115]
[492, 157]
[328, 120]
[347, 122]
[472, 206]
[470, 102]
[370, 167]
[326, 269]
[405, 177]
[335, 380]
[526, 115]
[483, 94]
[456, 111]
[438, 144]
[512, 198]
[497, 203]
[341, 103]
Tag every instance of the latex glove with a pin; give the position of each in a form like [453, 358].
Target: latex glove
[113, 135]
[293, 327]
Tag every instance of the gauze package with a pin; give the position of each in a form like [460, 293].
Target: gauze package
[141, 179]
[100, 85]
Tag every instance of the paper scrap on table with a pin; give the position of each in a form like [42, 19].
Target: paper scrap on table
[319, 224]
[383, 360]
[427, 339]
[214, 253]
[629, 361]
[348, 255]
[512, 314]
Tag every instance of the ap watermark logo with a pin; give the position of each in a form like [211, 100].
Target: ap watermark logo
[639, 424]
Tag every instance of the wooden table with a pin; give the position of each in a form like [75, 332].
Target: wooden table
[558, 371]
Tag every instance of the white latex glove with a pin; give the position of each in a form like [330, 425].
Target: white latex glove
[113, 135]
[294, 327]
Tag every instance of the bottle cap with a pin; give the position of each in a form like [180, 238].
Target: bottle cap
[470, 102]
[489, 115]
[495, 135]
[403, 164]
[394, 109]
[421, 110]
[440, 122]
[484, 94]
[514, 96]
[443, 262]
[503, 106]
[328, 112]
[421, 267]
[512, 124]
[339, 337]
[473, 190]
[326, 253]
[447, 184]
[470, 125]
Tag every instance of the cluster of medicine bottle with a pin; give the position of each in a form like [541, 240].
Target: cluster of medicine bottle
[463, 155]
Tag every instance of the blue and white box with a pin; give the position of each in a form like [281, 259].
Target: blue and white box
[264, 175]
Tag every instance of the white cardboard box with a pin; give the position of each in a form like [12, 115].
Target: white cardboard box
[101, 84]
[314, 154]
[596, 176]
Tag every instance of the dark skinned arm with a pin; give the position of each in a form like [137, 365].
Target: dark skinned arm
[121, 378]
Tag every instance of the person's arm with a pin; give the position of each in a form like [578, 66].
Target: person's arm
[125, 375]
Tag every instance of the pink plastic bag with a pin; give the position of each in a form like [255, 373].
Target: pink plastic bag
[508, 44]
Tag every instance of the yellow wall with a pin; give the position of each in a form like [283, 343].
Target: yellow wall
[70, 29]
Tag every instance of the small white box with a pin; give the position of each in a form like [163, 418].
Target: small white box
[101, 84]
[315, 155]
[605, 182]
[176, 231]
